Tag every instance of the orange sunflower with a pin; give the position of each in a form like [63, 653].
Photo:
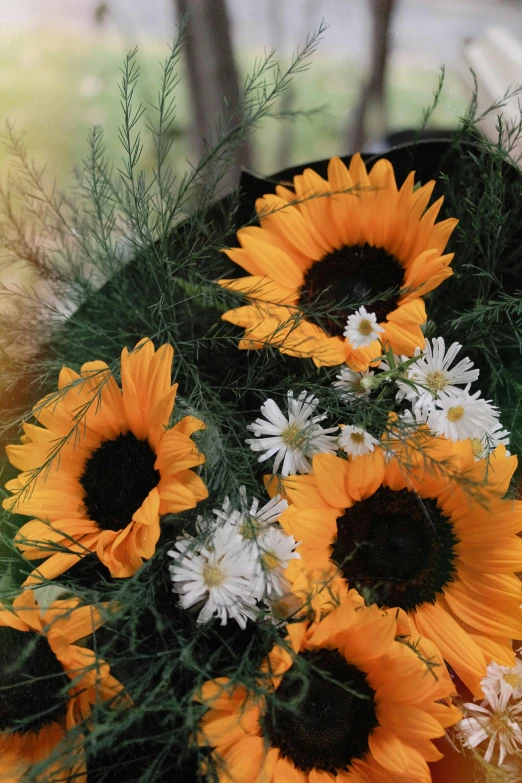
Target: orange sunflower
[331, 245]
[352, 704]
[49, 686]
[439, 543]
[104, 467]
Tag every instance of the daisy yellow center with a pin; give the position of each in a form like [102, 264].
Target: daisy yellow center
[512, 678]
[250, 528]
[322, 713]
[436, 381]
[33, 682]
[213, 575]
[499, 724]
[280, 609]
[339, 283]
[476, 447]
[365, 327]
[455, 413]
[270, 561]
[357, 437]
[292, 435]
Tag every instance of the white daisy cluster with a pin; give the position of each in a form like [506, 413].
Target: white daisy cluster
[438, 399]
[293, 439]
[497, 720]
[237, 561]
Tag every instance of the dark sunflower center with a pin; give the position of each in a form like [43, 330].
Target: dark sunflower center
[397, 546]
[117, 478]
[32, 682]
[322, 714]
[339, 283]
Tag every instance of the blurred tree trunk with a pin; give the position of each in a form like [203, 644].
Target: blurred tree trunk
[301, 26]
[371, 106]
[212, 74]
[286, 131]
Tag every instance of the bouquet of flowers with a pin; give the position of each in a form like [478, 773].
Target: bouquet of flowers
[260, 518]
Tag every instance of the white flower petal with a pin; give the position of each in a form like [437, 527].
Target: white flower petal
[292, 439]
[458, 415]
[362, 328]
[356, 442]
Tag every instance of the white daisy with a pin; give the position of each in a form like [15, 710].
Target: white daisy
[205, 526]
[293, 439]
[353, 384]
[251, 521]
[433, 372]
[275, 550]
[281, 608]
[413, 419]
[503, 680]
[362, 328]
[270, 512]
[221, 576]
[458, 415]
[495, 722]
[356, 442]
[487, 443]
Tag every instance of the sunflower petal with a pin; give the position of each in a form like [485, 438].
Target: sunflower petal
[455, 645]
[331, 474]
[388, 750]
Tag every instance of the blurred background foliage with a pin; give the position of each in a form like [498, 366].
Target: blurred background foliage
[59, 67]
[373, 74]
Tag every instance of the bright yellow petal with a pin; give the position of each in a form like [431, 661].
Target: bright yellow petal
[388, 750]
[181, 493]
[455, 645]
[159, 416]
[489, 619]
[146, 530]
[286, 772]
[54, 566]
[316, 528]
[244, 760]
[408, 722]
[365, 475]
[302, 491]
[331, 474]
[495, 558]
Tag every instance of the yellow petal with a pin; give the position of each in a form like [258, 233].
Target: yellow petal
[388, 750]
[331, 475]
[315, 527]
[408, 721]
[455, 645]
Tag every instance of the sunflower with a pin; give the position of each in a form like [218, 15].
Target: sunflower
[329, 244]
[426, 531]
[353, 703]
[104, 466]
[49, 685]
